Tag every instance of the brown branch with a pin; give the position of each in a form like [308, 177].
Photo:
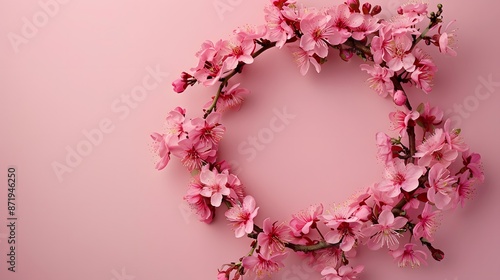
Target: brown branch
[310, 248]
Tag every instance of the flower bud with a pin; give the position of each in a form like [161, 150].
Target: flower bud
[366, 8]
[437, 254]
[179, 85]
[399, 98]
[346, 54]
[376, 10]
[353, 4]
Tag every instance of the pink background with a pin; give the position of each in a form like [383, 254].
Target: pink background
[113, 216]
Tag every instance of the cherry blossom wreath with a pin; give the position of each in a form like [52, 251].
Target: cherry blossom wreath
[422, 178]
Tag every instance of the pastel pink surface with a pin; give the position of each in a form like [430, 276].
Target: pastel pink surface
[114, 215]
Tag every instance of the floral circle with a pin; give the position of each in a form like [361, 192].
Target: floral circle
[422, 178]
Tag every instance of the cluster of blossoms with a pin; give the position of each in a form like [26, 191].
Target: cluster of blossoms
[422, 177]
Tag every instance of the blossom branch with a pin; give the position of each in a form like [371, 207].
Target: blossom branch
[435, 19]
[224, 81]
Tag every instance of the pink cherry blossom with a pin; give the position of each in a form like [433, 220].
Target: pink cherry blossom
[384, 148]
[441, 191]
[433, 143]
[317, 29]
[241, 216]
[160, 147]
[193, 154]
[343, 20]
[239, 51]
[273, 237]
[302, 222]
[412, 7]
[399, 54]
[214, 185]
[427, 223]
[453, 138]
[384, 233]
[211, 63]
[200, 204]
[231, 97]
[416, 12]
[402, 24]
[434, 150]
[207, 131]
[278, 29]
[262, 264]
[343, 273]
[250, 32]
[447, 40]
[175, 121]
[465, 188]
[369, 26]
[304, 59]
[408, 256]
[381, 43]
[345, 228]
[429, 116]
[381, 196]
[402, 119]
[424, 73]
[473, 162]
[380, 80]
[234, 184]
[296, 12]
[400, 176]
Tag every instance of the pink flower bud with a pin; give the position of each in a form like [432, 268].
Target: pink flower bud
[376, 10]
[438, 255]
[399, 98]
[353, 4]
[366, 8]
[179, 85]
[346, 54]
